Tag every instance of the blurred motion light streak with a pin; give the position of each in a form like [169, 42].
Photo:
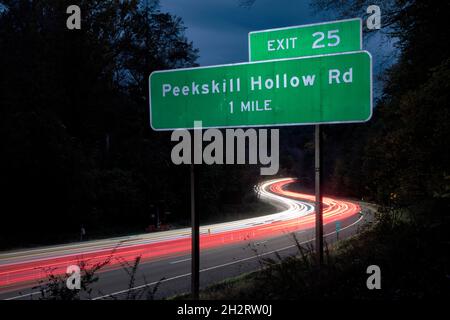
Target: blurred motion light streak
[28, 266]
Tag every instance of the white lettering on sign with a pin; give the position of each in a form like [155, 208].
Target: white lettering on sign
[255, 105]
[281, 44]
[335, 75]
[255, 83]
[333, 39]
[230, 85]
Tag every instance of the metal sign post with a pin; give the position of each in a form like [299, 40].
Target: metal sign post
[195, 241]
[338, 229]
[318, 204]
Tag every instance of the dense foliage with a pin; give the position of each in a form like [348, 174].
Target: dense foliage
[75, 142]
[401, 157]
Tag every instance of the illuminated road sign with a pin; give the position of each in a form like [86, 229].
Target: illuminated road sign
[333, 88]
[306, 40]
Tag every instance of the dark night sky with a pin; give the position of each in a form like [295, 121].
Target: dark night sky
[219, 28]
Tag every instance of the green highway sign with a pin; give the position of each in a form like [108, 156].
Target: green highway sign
[306, 40]
[332, 88]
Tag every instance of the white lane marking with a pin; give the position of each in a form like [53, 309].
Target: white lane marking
[262, 242]
[202, 270]
[178, 261]
[24, 295]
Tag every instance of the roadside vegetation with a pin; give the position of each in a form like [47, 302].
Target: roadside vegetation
[55, 287]
[411, 257]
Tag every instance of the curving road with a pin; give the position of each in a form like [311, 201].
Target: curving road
[227, 249]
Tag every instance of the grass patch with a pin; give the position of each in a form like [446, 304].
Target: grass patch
[413, 258]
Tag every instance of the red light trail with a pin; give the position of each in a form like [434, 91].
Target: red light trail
[27, 267]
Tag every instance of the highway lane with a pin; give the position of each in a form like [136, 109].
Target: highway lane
[227, 249]
[22, 267]
[221, 263]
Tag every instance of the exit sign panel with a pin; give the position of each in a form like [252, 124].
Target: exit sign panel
[306, 40]
[332, 88]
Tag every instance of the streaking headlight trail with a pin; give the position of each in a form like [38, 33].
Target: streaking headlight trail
[25, 267]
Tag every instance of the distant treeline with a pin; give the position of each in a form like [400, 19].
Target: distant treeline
[75, 141]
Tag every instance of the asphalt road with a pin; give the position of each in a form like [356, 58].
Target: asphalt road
[219, 259]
